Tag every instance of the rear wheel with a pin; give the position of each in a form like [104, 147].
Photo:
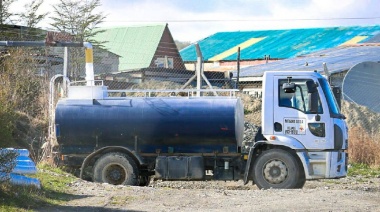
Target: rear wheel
[277, 168]
[116, 169]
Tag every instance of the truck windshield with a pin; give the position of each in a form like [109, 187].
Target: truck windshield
[331, 101]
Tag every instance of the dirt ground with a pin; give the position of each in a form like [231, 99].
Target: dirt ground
[346, 194]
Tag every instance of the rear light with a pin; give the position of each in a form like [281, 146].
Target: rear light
[63, 157]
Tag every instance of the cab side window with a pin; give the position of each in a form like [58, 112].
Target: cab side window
[298, 100]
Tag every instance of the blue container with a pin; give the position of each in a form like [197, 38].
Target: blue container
[24, 165]
[18, 179]
[20, 152]
[170, 124]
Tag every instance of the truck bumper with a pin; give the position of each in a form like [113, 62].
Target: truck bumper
[326, 164]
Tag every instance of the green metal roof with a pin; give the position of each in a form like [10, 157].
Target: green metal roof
[136, 45]
[280, 44]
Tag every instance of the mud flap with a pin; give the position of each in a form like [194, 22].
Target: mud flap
[248, 166]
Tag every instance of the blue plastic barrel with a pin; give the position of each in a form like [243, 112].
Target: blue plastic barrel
[24, 165]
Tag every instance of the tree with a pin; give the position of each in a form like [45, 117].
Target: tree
[5, 16]
[7, 163]
[78, 18]
[30, 18]
[182, 44]
[21, 90]
[22, 99]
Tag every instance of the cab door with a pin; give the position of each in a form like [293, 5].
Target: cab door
[293, 114]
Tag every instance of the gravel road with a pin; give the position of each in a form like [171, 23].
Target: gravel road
[346, 194]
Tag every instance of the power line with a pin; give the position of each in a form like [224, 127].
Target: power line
[246, 20]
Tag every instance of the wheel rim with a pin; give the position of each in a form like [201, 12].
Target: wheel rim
[114, 174]
[275, 172]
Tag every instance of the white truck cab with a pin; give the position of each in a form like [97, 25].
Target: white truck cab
[300, 112]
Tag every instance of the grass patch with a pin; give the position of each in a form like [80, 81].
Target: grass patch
[364, 170]
[26, 198]
[246, 111]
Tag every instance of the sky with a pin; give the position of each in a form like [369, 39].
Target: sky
[193, 20]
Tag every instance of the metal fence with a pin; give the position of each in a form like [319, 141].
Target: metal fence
[159, 74]
[162, 72]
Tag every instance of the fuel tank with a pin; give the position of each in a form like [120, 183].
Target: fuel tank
[151, 125]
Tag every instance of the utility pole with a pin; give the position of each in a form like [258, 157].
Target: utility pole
[238, 69]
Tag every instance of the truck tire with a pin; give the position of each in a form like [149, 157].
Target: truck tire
[278, 169]
[301, 179]
[116, 169]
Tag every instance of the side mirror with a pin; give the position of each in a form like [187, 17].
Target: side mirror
[338, 95]
[313, 102]
[311, 86]
[289, 87]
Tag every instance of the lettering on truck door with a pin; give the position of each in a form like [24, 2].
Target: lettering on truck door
[294, 126]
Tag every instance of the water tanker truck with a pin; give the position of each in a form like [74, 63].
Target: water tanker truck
[129, 140]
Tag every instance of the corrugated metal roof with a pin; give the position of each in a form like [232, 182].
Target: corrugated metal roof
[135, 44]
[374, 39]
[337, 59]
[277, 43]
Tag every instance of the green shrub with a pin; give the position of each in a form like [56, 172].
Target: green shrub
[7, 163]
[6, 126]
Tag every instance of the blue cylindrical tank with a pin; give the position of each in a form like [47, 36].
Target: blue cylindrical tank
[148, 125]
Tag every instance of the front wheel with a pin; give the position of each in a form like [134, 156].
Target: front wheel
[277, 168]
[116, 169]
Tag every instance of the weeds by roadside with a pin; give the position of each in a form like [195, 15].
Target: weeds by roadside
[25, 198]
[364, 170]
[363, 148]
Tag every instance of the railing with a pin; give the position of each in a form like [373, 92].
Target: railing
[87, 82]
[114, 94]
[171, 93]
